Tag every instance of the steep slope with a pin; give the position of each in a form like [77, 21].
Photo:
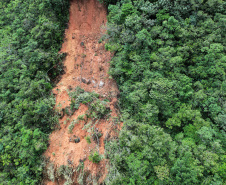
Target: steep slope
[86, 65]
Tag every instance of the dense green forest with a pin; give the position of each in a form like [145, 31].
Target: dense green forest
[169, 65]
[31, 34]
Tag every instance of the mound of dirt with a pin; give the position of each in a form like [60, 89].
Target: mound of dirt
[86, 65]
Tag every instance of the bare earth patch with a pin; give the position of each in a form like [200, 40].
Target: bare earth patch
[86, 65]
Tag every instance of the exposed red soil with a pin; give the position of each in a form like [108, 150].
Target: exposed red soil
[86, 60]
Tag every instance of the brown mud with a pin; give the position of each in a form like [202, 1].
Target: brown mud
[86, 65]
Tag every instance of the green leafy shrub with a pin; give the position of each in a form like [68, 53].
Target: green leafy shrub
[95, 157]
[72, 125]
[98, 109]
[50, 172]
[81, 117]
[88, 139]
[68, 111]
[65, 172]
[78, 96]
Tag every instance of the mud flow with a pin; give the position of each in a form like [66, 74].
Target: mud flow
[86, 66]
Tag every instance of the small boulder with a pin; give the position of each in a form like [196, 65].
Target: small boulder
[101, 84]
[84, 80]
[77, 140]
[88, 82]
[94, 83]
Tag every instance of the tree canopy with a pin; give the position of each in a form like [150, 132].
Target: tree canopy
[31, 35]
[169, 65]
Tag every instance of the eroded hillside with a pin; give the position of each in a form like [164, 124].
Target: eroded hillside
[86, 66]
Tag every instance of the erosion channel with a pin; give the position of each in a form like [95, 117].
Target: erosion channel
[76, 150]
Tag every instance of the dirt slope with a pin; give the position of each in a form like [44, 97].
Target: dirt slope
[86, 65]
